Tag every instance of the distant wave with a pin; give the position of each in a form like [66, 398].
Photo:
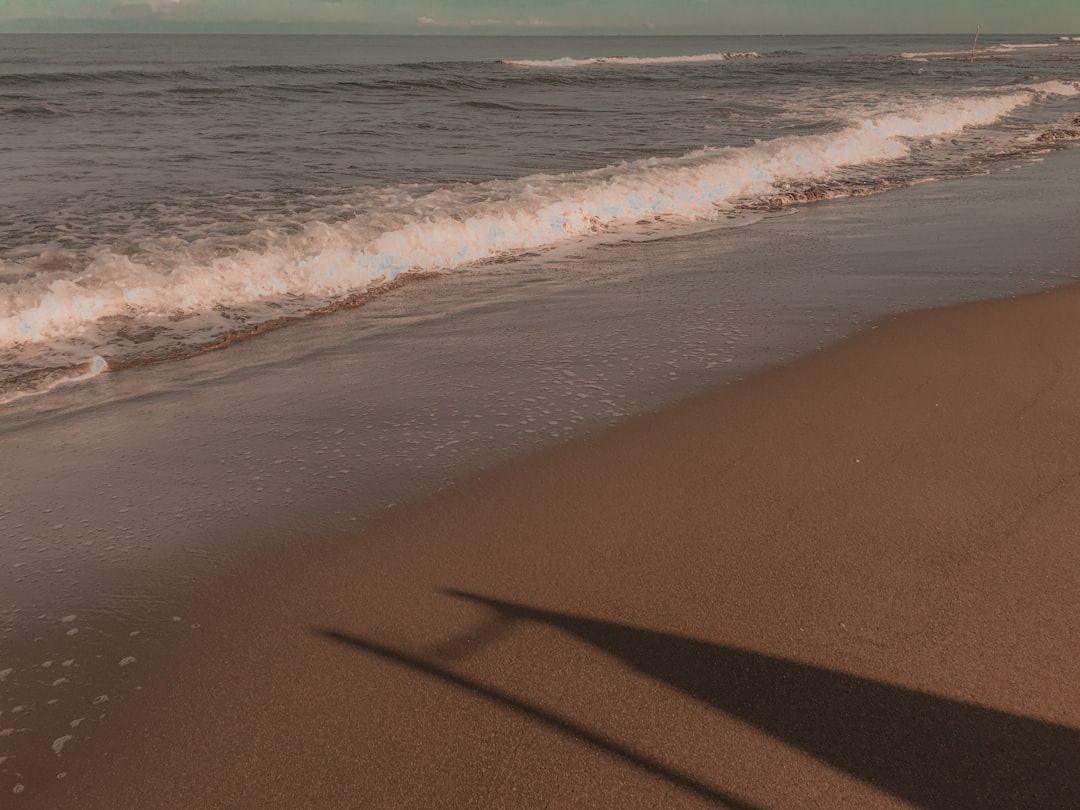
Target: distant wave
[224, 79]
[1006, 47]
[922, 56]
[33, 110]
[411, 230]
[136, 76]
[570, 62]
[1021, 45]
[103, 76]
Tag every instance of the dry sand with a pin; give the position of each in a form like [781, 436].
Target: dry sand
[850, 582]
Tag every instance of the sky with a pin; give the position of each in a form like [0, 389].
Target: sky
[719, 17]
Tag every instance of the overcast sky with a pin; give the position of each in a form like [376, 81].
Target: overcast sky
[545, 16]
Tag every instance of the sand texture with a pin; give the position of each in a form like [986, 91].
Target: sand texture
[853, 581]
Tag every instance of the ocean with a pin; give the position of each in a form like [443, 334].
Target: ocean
[165, 194]
[257, 290]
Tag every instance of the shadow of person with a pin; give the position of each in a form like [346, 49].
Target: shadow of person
[931, 751]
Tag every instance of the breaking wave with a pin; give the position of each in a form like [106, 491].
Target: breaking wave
[570, 62]
[980, 51]
[452, 226]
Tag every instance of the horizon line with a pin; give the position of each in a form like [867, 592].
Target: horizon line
[197, 32]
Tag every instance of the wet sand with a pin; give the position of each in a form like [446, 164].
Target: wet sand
[847, 582]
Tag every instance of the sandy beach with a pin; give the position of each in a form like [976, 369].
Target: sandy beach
[846, 582]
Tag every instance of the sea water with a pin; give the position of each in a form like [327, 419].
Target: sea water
[161, 195]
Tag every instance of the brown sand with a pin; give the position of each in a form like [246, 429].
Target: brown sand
[850, 582]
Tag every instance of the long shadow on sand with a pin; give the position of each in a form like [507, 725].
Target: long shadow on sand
[930, 751]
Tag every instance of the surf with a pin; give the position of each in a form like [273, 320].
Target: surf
[571, 62]
[462, 224]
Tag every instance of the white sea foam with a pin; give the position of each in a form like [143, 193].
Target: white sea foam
[922, 56]
[458, 225]
[1018, 46]
[570, 62]
[64, 376]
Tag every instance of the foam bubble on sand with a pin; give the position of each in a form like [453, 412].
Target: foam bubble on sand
[60, 742]
[127, 660]
[4, 674]
[69, 619]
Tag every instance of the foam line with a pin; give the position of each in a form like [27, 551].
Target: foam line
[458, 225]
[570, 62]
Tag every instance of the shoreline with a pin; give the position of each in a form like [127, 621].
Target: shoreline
[848, 580]
[127, 553]
[593, 527]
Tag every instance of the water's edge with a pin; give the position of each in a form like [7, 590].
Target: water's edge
[130, 494]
